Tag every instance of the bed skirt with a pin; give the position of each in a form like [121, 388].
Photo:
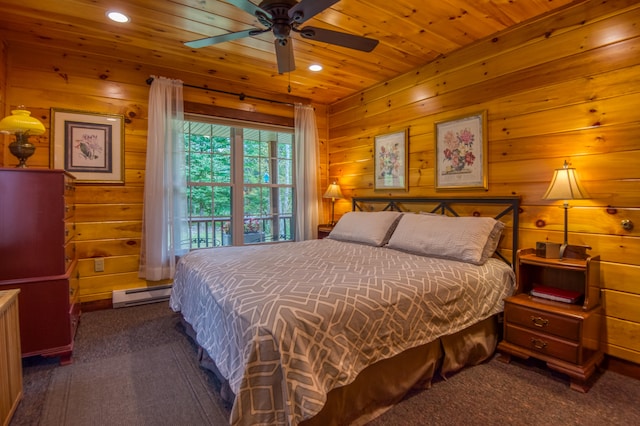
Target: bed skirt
[382, 385]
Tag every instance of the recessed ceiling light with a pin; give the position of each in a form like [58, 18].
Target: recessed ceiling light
[315, 67]
[117, 16]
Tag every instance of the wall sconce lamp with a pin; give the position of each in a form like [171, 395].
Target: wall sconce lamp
[565, 186]
[334, 193]
[22, 125]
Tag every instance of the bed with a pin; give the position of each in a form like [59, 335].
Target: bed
[336, 331]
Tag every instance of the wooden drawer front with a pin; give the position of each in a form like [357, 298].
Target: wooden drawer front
[543, 343]
[542, 321]
[69, 254]
[69, 207]
[69, 186]
[69, 231]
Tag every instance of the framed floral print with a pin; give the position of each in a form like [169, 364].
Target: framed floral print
[391, 155]
[88, 145]
[461, 152]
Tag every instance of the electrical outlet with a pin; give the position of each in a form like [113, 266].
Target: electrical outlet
[98, 264]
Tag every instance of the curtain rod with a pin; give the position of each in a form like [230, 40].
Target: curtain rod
[240, 95]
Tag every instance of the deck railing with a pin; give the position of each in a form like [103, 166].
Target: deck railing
[208, 232]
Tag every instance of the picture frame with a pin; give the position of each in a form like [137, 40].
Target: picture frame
[461, 152]
[88, 145]
[391, 161]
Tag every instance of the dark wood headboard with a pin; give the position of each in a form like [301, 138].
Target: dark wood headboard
[500, 208]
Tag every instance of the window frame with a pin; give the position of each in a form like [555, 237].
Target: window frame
[237, 183]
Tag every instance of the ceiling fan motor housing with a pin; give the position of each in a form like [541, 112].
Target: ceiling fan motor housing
[281, 23]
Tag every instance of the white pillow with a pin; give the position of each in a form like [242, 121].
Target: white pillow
[371, 228]
[467, 239]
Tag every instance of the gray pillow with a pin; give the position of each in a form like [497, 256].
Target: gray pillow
[371, 228]
[467, 239]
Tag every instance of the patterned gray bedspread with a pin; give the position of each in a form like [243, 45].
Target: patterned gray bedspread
[286, 323]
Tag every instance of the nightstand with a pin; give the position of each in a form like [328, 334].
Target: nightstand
[564, 335]
[324, 230]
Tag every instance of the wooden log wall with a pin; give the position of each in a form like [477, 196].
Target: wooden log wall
[563, 87]
[109, 217]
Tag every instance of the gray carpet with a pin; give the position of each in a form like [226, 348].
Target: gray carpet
[158, 386]
[146, 342]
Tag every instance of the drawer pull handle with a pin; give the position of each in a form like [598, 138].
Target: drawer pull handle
[539, 321]
[538, 344]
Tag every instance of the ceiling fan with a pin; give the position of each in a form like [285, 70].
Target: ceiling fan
[283, 17]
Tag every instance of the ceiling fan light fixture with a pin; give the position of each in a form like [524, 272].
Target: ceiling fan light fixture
[117, 16]
[315, 67]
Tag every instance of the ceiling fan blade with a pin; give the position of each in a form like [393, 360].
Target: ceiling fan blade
[203, 42]
[284, 55]
[341, 39]
[307, 9]
[249, 7]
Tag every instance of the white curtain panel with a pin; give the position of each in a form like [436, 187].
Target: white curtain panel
[164, 222]
[307, 166]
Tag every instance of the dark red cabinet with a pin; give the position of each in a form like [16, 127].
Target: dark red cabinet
[37, 256]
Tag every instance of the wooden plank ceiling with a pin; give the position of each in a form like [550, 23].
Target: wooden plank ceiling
[411, 33]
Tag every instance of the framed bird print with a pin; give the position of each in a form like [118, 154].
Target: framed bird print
[88, 145]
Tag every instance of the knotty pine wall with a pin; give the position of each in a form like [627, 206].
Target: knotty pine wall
[108, 217]
[566, 87]
[563, 87]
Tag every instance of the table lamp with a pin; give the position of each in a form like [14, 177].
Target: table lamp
[565, 186]
[334, 193]
[22, 125]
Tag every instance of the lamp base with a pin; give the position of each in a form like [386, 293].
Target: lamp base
[563, 248]
[22, 149]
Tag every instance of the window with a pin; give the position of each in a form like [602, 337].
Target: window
[240, 183]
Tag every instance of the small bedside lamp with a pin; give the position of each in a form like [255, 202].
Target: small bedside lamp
[334, 193]
[22, 125]
[565, 186]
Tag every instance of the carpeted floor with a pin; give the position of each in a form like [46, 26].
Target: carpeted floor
[156, 386]
[490, 394]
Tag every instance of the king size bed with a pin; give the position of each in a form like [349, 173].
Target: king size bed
[336, 331]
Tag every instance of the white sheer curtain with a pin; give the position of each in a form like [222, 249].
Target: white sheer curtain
[165, 183]
[307, 157]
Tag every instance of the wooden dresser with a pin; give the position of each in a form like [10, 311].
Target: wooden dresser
[37, 256]
[10, 360]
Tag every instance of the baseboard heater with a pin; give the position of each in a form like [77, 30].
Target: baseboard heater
[140, 296]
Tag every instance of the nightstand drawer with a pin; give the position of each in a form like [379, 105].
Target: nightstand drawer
[541, 321]
[543, 343]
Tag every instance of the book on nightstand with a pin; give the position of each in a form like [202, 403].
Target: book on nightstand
[556, 294]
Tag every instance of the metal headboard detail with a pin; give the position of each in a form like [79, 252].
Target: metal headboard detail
[446, 205]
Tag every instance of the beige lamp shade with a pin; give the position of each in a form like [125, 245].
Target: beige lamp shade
[333, 192]
[20, 121]
[565, 185]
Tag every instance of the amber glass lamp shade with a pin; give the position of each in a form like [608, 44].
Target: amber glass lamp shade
[21, 124]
